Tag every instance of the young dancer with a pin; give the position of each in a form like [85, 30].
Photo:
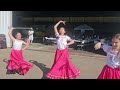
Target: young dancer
[62, 67]
[112, 68]
[17, 61]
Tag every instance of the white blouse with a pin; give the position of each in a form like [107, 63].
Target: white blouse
[17, 45]
[31, 33]
[62, 41]
[112, 59]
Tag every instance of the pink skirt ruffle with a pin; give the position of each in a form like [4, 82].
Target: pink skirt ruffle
[17, 62]
[62, 67]
[109, 73]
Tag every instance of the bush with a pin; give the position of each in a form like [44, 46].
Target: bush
[39, 34]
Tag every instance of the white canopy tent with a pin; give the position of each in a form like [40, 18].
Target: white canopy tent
[83, 28]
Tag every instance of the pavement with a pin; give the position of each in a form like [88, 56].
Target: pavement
[42, 56]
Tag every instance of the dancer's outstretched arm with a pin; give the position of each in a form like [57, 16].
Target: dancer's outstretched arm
[10, 33]
[55, 27]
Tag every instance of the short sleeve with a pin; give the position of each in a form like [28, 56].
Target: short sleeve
[22, 41]
[57, 34]
[106, 48]
[68, 38]
[28, 32]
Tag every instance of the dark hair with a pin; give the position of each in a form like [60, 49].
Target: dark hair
[17, 33]
[61, 26]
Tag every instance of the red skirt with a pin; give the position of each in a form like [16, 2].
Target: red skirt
[109, 73]
[17, 62]
[62, 67]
